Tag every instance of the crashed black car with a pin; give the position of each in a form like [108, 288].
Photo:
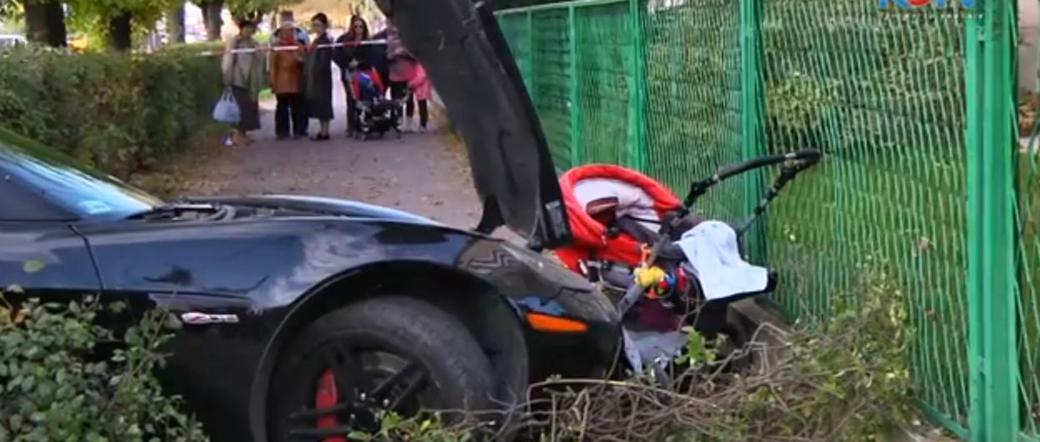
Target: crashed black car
[303, 315]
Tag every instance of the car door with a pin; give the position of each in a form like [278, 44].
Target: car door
[39, 252]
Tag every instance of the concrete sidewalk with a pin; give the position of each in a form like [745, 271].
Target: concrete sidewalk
[421, 173]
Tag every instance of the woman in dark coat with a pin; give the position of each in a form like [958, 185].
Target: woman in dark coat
[349, 53]
[319, 76]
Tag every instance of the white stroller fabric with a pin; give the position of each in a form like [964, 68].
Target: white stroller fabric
[632, 200]
[652, 350]
[711, 248]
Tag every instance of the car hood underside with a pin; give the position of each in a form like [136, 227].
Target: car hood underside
[463, 50]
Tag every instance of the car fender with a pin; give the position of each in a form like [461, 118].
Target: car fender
[274, 263]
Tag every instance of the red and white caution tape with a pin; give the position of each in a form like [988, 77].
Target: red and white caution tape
[294, 47]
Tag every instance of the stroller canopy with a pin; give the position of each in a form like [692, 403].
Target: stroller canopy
[635, 195]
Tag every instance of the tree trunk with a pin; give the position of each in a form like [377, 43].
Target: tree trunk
[119, 32]
[175, 24]
[211, 14]
[45, 23]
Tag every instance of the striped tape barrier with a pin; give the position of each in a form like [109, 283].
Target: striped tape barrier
[294, 47]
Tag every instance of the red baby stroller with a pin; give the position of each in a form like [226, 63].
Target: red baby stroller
[597, 196]
[664, 266]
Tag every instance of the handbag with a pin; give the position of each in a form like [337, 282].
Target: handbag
[227, 110]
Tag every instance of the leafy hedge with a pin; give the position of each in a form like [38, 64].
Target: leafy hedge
[116, 112]
[64, 378]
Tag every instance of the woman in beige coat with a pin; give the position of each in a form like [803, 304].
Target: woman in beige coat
[244, 74]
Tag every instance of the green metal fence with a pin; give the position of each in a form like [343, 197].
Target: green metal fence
[914, 110]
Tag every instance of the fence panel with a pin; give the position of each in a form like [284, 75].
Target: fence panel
[1029, 283]
[516, 28]
[604, 70]
[881, 92]
[693, 77]
[1028, 221]
[550, 79]
[1029, 277]
[887, 94]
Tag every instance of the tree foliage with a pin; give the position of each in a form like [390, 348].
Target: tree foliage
[145, 12]
[10, 9]
[255, 9]
[102, 18]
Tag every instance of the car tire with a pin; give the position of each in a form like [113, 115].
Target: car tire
[430, 341]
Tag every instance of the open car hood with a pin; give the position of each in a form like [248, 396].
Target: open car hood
[467, 58]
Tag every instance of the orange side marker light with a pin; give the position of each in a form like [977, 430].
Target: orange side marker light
[554, 324]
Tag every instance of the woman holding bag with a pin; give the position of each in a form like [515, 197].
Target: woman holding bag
[244, 76]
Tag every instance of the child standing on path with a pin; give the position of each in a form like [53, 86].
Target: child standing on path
[408, 80]
[412, 73]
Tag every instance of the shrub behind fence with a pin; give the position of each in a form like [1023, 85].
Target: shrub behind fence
[914, 111]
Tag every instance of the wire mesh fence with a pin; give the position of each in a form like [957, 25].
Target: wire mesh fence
[694, 99]
[890, 95]
[881, 93]
[1028, 254]
[1029, 300]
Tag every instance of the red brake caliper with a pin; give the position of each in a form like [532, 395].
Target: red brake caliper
[326, 397]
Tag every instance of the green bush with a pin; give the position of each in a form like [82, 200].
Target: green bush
[64, 378]
[116, 112]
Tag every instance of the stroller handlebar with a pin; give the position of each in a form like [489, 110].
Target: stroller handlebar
[806, 157]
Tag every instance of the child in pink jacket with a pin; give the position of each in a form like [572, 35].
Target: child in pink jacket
[408, 70]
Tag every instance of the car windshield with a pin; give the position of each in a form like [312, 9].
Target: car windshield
[73, 188]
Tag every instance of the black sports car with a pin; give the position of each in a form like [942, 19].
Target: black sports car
[304, 314]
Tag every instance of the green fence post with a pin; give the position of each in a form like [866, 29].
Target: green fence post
[973, 80]
[994, 414]
[752, 104]
[575, 108]
[637, 110]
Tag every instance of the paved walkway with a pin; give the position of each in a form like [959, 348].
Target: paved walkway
[422, 173]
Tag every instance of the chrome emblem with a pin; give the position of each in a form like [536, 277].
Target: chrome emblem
[199, 318]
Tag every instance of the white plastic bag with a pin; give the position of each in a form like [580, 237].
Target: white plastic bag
[226, 110]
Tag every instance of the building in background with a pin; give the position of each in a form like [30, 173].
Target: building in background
[194, 24]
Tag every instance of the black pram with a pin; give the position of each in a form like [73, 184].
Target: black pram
[377, 114]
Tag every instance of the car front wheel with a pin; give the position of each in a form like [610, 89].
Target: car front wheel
[392, 353]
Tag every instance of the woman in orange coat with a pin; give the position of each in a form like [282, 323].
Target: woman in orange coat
[286, 72]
